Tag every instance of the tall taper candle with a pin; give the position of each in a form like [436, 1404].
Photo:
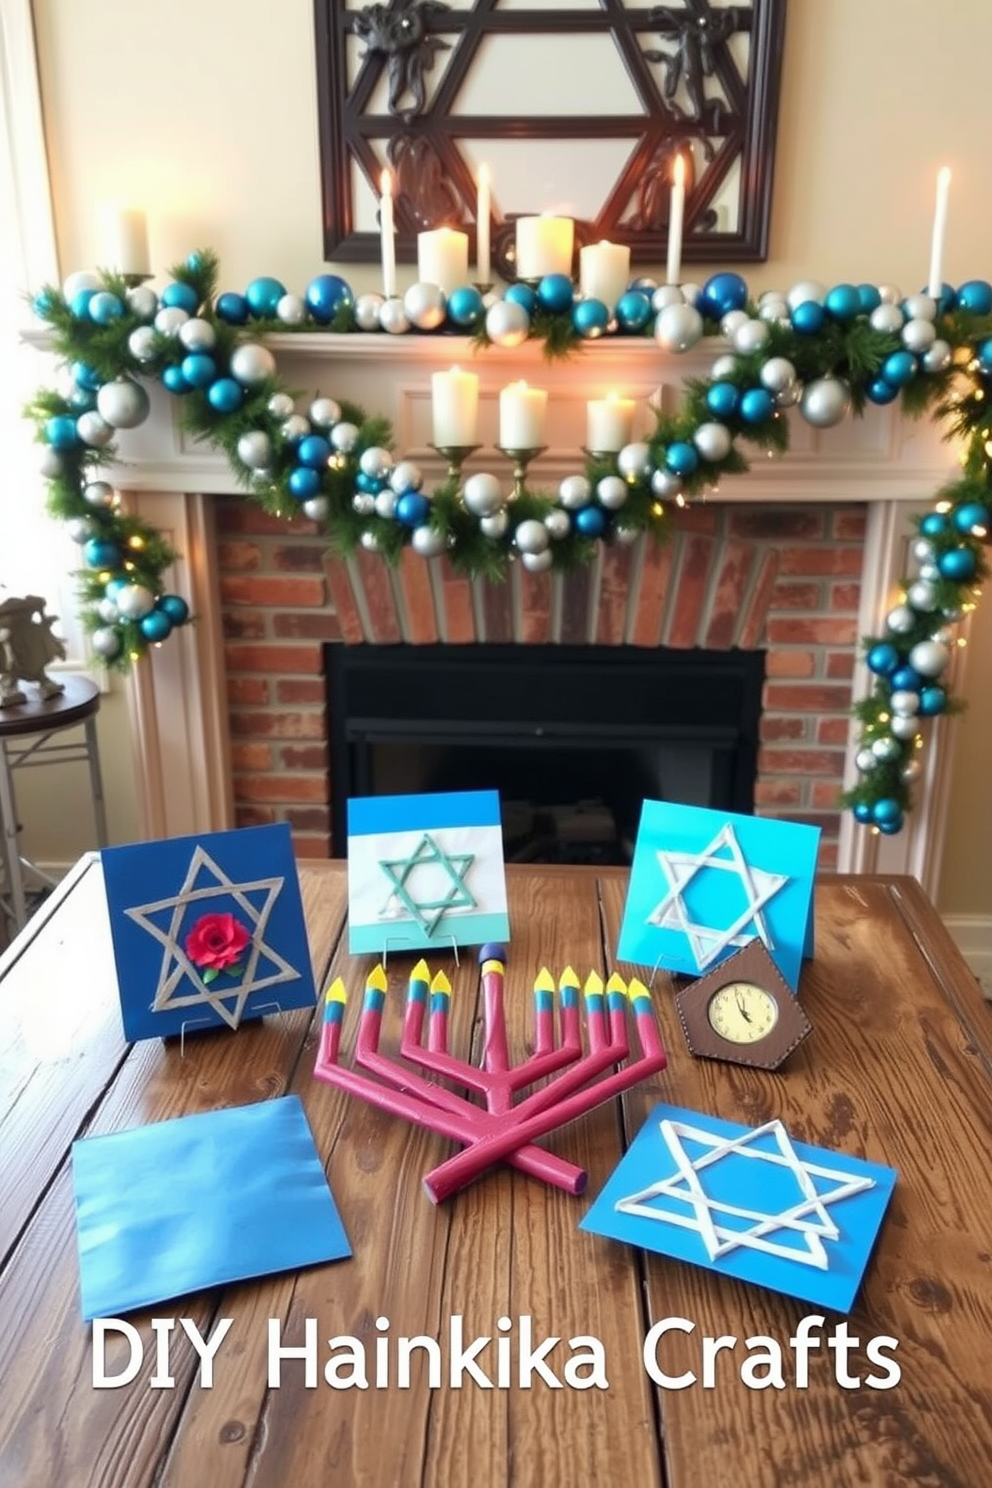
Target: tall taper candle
[483, 211]
[386, 236]
[936, 281]
[676, 214]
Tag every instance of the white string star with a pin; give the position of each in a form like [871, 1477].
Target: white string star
[808, 1218]
[707, 941]
[177, 968]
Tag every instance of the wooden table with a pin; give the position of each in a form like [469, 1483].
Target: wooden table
[898, 1070]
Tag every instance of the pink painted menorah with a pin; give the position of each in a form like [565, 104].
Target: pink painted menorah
[504, 1128]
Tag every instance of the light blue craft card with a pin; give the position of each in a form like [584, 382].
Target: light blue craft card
[748, 1202]
[703, 883]
[425, 871]
[183, 1205]
[207, 930]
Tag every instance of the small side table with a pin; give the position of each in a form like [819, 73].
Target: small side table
[27, 731]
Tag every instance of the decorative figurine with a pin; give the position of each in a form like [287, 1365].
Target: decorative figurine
[27, 647]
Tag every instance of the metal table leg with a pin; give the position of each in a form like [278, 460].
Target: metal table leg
[96, 782]
[12, 859]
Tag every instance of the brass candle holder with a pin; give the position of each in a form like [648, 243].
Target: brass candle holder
[601, 456]
[520, 459]
[456, 455]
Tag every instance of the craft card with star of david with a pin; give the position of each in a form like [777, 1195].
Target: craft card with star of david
[703, 883]
[425, 871]
[748, 1202]
[207, 930]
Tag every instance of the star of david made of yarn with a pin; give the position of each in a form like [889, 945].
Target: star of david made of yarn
[708, 941]
[429, 855]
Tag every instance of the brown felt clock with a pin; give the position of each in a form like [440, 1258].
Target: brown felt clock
[743, 1011]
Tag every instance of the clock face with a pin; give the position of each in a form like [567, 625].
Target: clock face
[742, 1012]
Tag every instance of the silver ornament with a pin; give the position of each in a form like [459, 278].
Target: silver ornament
[634, 461]
[776, 374]
[732, 321]
[890, 294]
[612, 492]
[98, 493]
[825, 402]
[80, 280]
[885, 749]
[920, 307]
[805, 291]
[724, 366]
[367, 308]
[393, 318]
[923, 550]
[713, 441]
[198, 335]
[774, 311]
[252, 364]
[666, 484]
[375, 462]
[141, 343]
[691, 292]
[750, 337]
[369, 542]
[280, 405]
[106, 642]
[886, 318]
[425, 305]
[135, 601]
[427, 542]
[122, 404]
[344, 437]
[482, 495]
[142, 302]
[406, 476]
[918, 335]
[532, 536]
[496, 525]
[507, 323]
[922, 595]
[317, 508]
[169, 319]
[81, 529]
[385, 503]
[108, 611]
[905, 703]
[537, 562]
[255, 449]
[295, 427]
[900, 621]
[904, 727]
[50, 463]
[953, 614]
[930, 572]
[678, 328]
[574, 492]
[865, 760]
[666, 294]
[789, 396]
[944, 636]
[911, 770]
[94, 430]
[558, 523]
[324, 413]
[624, 535]
[291, 310]
[929, 658]
[937, 357]
[363, 502]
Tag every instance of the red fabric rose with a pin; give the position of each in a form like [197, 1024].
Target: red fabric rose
[216, 941]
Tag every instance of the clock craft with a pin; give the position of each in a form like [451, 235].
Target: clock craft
[743, 1012]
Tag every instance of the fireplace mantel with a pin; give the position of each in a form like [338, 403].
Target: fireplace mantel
[178, 695]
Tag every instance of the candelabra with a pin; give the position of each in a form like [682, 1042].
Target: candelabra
[455, 455]
[521, 459]
[504, 1128]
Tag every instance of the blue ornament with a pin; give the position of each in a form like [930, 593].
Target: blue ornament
[933, 700]
[105, 307]
[115, 587]
[945, 300]
[263, 295]
[957, 564]
[368, 484]
[809, 318]
[174, 381]
[881, 392]
[99, 552]
[555, 293]
[984, 355]
[79, 305]
[303, 482]
[883, 659]
[934, 524]
[976, 296]
[843, 302]
[325, 296]
[86, 377]
[757, 405]
[43, 303]
[972, 516]
[722, 399]
[232, 308]
[83, 400]
[175, 607]
[61, 432]
[891, 828]
[634, 310]
[869, 298]
[887, 811]
[522, 294]
[862, 811]
[905, 679]
[722, 293]
[682, 458]
[465, 307]
[225, 395]
[412, 509]
[198, 369]
[180, 297]
[591, 521]
[314, 450]
[194, 261]
[590, 318]
[899, 368]
[644, 282]
[155, 626]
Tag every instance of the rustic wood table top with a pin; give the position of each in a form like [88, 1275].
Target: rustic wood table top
[898, 1070]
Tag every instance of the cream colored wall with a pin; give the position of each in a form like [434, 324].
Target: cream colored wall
[206, 115]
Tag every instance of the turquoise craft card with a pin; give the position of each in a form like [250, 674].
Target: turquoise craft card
[207, 930]
[178, 1206]
[748, 1202]
[703, 883]
[425, 871]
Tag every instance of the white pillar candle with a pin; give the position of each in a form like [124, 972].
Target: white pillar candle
[387, 239]
[125, 240]
[521, 417]
[609, 422]
[442, 258]
[604, 271]
[483, 211]
[455, 406]
[676, 214]
[544, 246]
[936, 281]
